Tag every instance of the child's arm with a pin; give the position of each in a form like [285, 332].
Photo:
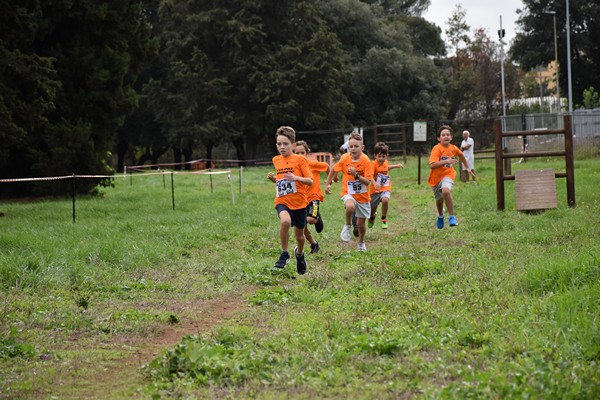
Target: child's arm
[394, 166]
[361, 179]
[330, 175]
[302, 179]
[441, 163]
[271, 177]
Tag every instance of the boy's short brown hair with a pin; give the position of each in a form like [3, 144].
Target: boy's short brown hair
[286, 131]
[439, 132]
[381, 148]
[303, 144]
[355, 136]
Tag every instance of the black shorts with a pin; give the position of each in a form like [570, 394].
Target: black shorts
[313, 209]
[298, 216]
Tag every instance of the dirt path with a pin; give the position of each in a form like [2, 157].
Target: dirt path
[122, 378]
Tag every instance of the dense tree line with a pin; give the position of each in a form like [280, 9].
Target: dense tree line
[84, 84]
[230, 72]
[67, 70]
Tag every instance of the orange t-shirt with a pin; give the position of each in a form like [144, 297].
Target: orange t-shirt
[291, 193]
[438, 153]
[364, 168]
[381, 175]
[314, 192]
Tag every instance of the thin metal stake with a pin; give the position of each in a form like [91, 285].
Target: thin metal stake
[172, 190]
[73, 194]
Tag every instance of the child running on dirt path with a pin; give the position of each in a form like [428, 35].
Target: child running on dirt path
[357, 173]
[381, 184]
[314, 194]
[292, 172]
[442, 174]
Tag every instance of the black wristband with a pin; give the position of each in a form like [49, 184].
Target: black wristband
[356, 176]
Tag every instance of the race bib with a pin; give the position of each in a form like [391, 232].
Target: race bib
[446, 158]
[383, 180]
[356, 187]
[285, 187]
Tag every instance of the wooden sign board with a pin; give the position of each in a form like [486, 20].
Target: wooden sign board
[535, 189]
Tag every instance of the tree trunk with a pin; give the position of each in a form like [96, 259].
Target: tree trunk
[240, 150]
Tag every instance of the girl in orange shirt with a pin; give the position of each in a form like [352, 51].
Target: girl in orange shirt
[314, 195]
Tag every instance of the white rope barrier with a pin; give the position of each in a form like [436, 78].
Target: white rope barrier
[54, 178]
[209, 172]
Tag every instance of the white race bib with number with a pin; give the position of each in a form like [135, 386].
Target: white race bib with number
[356, 187]
[383, 180]
[285, 187]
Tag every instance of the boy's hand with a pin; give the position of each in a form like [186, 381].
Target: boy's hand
[271, 177]
[328, 189]
[289, 176]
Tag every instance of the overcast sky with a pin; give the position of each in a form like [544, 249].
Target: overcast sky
[480, 14]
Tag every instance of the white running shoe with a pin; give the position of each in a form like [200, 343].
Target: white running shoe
[362, 247]
[345, 234]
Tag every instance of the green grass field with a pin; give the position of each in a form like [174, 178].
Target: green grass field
[506, 305]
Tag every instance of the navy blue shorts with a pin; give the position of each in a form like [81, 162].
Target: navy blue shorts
[298, 216]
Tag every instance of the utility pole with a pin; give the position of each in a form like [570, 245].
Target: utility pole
[558, 106]
[570, 86]
[501, 37]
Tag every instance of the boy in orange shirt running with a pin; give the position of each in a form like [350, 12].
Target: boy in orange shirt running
[381, 185]
[442, 173]
[292, 173]
[314, 195]
[357, 173]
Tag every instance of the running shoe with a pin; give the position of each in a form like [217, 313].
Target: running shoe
[452, 221]
[300, 262]
[384, 224]
[354, 225]
[345, 234]
[440, 222]
[319, 224]
[314, 248]
[284, 258]
[370, 223]
[362, 247]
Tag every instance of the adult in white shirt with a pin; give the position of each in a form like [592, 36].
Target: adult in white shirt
[467, 147]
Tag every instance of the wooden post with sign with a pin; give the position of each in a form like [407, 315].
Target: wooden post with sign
[419, 135]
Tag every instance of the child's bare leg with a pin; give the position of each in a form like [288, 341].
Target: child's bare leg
[299, 233]
[447, 197]
[373, 212]
[384, 207]
[349, 211]
[362, 229]
[284, 229]
[311, 220]
[309, 236]
[440, 206]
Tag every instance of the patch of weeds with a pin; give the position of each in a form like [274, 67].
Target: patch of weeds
[264, 276]
[277, 295]
[378, 345]
[10, 347]
[556, 276]
[229, 358]
[474, 339]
